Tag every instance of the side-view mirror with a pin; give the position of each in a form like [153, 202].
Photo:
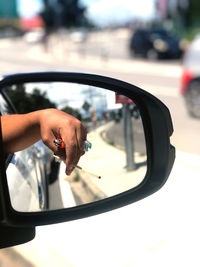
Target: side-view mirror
[131, 155]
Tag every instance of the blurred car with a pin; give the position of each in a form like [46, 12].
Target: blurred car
[155, 44]
[190, 80]
[30, 171]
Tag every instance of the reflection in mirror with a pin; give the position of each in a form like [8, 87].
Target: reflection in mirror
[37, 180]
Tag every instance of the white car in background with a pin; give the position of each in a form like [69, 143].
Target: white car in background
[190, 80]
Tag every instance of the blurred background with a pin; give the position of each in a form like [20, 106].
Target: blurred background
[154, 44]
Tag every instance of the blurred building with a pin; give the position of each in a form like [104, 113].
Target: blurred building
[172, 8]
[162, 9]
[8, 13]
[174, 11]
[183, 13]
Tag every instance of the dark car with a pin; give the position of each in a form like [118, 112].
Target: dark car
[190, 80]
[155, 44]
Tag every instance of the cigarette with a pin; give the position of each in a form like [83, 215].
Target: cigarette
[80, 168]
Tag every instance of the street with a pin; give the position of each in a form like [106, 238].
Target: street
[161, 230]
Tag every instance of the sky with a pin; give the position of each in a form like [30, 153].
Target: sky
[75, 95]
[101, 11]
[107, 11]
[29, 8]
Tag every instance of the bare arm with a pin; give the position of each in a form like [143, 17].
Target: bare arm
[21, 131]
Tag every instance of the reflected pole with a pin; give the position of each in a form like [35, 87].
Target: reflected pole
[128, 138]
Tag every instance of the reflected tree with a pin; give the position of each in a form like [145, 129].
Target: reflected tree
[25, 102]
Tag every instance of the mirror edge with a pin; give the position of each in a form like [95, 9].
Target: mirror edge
[154, 172]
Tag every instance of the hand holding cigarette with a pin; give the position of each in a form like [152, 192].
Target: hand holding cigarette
[64, 135]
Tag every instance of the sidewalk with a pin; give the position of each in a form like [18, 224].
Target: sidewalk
[75, 58]
[104, 160]
[109, 162]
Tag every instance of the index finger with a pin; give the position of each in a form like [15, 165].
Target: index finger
[73, 140]
[71, 155]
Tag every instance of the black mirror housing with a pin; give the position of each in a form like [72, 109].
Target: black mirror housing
[160, 157]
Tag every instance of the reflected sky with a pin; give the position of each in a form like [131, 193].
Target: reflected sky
[75, 95]
[80, 97]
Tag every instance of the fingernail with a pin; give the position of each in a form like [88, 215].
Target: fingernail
[69, 170]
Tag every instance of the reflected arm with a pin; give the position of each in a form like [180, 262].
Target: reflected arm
[19, 131]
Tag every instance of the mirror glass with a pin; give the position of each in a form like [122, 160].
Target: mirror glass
[37, 180]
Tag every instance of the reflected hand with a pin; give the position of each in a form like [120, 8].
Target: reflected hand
[57, 124]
